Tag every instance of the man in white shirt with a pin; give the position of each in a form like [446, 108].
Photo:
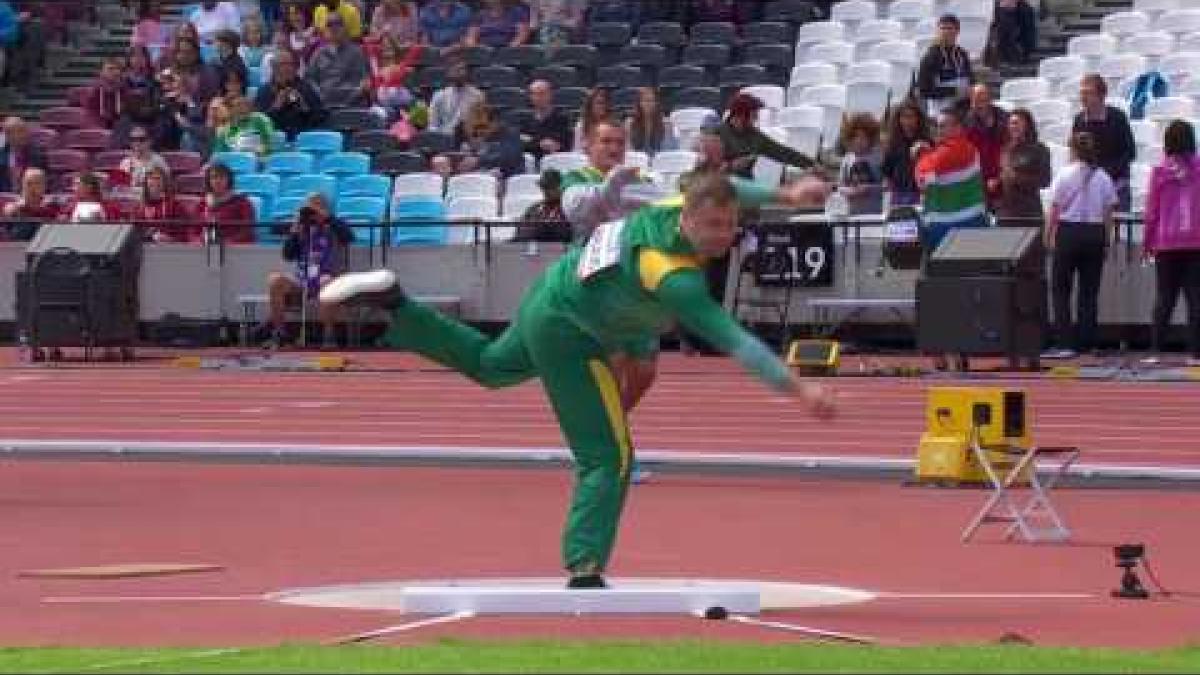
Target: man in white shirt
[450, 103]
[211, 17]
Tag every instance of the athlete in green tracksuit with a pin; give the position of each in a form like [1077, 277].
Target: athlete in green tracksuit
[612, 295]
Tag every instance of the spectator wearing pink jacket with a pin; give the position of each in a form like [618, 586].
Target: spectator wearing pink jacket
[1172, 234]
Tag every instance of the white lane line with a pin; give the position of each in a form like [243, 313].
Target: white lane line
[985, 596]
[400, 628]
[119, 599]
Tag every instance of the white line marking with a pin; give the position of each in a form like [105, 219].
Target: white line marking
[101, 599]
[401, 628]
[806, 630]
[986, 596]
[157, 660]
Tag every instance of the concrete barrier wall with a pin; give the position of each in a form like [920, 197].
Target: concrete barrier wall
[194, 282]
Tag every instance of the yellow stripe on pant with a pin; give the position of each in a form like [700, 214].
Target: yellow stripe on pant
[610, 393]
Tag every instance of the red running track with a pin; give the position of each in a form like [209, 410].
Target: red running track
[277, 527]
[704, 405]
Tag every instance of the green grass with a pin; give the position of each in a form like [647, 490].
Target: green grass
[460, 656]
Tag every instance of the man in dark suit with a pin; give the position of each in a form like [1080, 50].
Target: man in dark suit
[17, 154]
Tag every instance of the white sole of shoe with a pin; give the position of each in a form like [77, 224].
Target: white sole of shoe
[347, 286]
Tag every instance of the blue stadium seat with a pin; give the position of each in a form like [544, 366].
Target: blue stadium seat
[238, 162]
[418, 209]
[264, 183]
[367, 185]
[322, 142]
[290, 163]
[280, 142]
[263, 210]
[345, 164]
[363, 211]
[285, 208]
[305, 184]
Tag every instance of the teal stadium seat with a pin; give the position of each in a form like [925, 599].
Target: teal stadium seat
[237, 162]
[409, 218]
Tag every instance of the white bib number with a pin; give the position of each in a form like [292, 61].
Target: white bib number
[602, 251]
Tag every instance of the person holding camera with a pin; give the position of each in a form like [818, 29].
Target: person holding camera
[291, 102]
[316, 246]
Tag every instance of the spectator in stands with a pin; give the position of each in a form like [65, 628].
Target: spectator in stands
[89, 204]
[744, 142]
[142, 159]
[303, 38]
[291, 102]
[558, 22]
[500, 23]
[229, 213]
[1024, 171]
[390, 69]
[339, 69]
[648, 127]
[711, 152]
[233, 84]
[908, 127]
[1172, 235]
[316, 245]
[178, 116]
[949, 176]
[18, 154]
[351, 18]
[987, 128]
[548, 131]
[1110, 129]
[1077, 235]
[201, 80]
[860, 177]
[450, 103]
[1015, 25]
[600, 192]
[944, 74]
[22, 45]
[398, 19]
[597, 108]
[247, 131]
[105, 99]
[32, 204]
[614, 11]
[150, 31]
[445, 24]
[212, 17]
[229, 62]
[487, 145]
[216, 118]
[161, 217]
[140, 74]
[545, 220]
[254, 42]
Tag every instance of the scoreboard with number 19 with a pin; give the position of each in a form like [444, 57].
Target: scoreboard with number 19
[794, 254]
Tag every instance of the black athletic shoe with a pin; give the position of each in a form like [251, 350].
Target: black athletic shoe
[377, 288]
[587, 581]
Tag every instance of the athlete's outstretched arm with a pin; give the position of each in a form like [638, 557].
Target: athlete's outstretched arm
[684, 291]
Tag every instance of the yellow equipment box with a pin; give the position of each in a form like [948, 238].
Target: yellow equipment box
[816, 357]
[952, 416]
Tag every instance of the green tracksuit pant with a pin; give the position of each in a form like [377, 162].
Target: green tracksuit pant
[581, 387]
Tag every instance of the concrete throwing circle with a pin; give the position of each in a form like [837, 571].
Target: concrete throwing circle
[547, 595]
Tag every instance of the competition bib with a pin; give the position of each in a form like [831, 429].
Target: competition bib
[602, 251]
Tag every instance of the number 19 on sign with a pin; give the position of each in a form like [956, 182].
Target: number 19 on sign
[796, 256]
